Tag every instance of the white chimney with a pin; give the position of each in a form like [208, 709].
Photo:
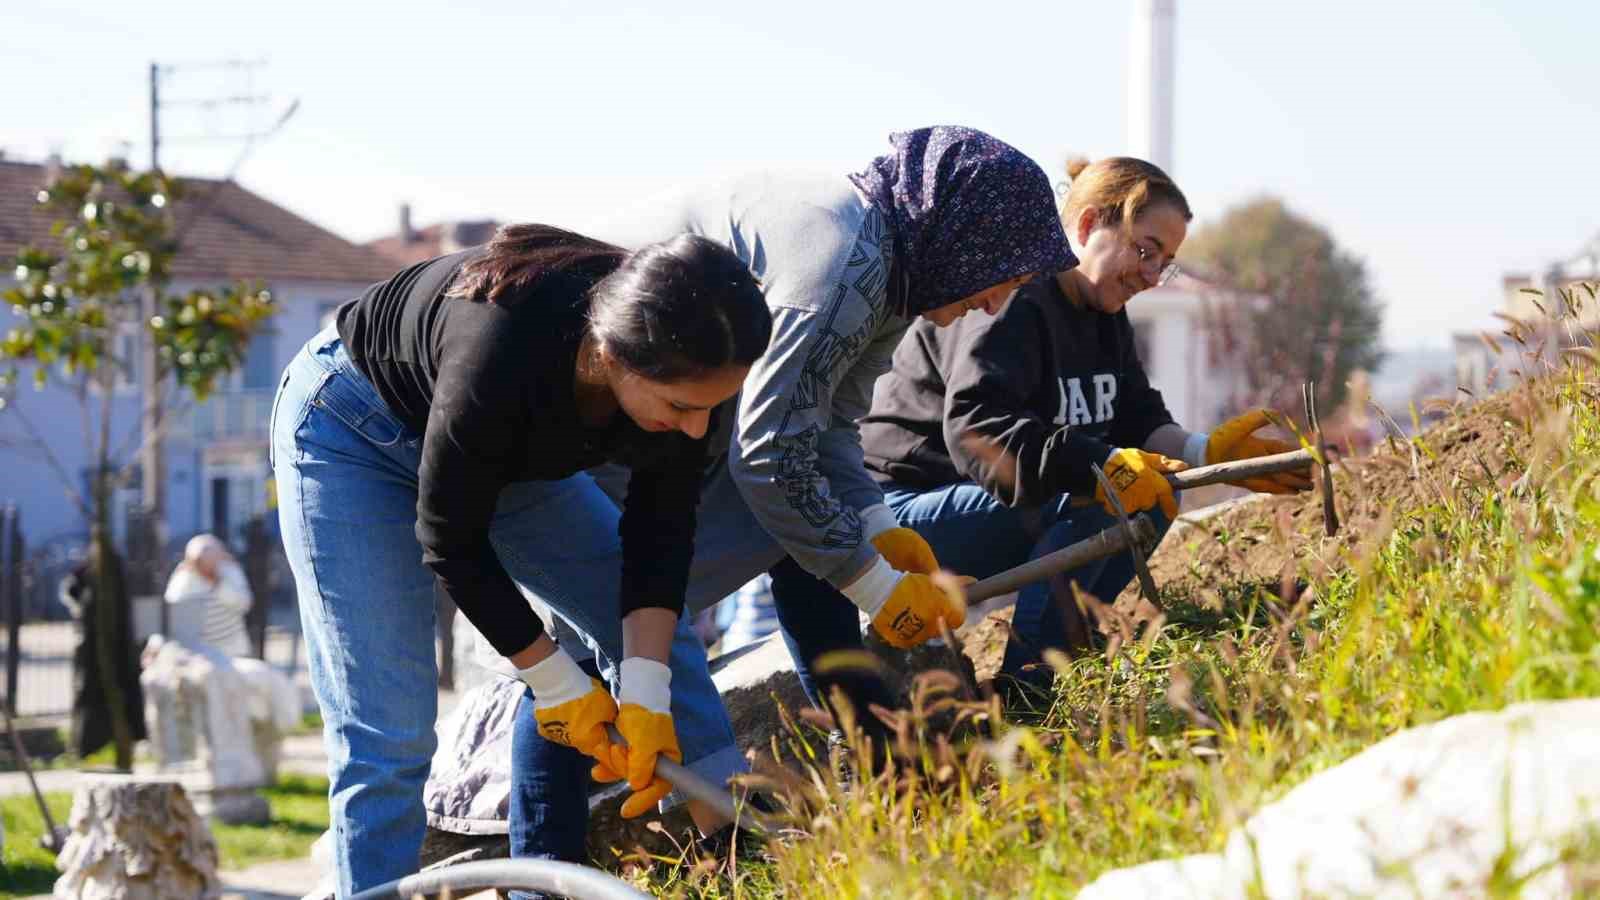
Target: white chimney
[1150, 81]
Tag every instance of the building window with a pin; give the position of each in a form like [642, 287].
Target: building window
[261, 361]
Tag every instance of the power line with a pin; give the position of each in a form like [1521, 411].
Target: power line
[152, 462]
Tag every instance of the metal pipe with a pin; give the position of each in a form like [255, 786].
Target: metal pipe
[563, 878]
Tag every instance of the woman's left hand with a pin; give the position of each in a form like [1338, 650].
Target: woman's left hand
[645, 720]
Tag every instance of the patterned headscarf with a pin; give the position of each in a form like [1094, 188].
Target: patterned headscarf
[967, 212]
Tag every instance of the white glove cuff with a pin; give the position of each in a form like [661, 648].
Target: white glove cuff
[555, 679]
[647, 683]
[1194, 449]
[876, 519]
[872, 589]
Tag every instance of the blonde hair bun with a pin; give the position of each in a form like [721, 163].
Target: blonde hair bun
[1118, 189]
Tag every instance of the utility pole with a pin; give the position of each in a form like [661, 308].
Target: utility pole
[155, 116]
[152, 455]
[152, 470]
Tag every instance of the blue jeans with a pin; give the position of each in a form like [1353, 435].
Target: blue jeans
[730, 548]
[549, 794]
[346, 474]
[815, 620]
[972, 534]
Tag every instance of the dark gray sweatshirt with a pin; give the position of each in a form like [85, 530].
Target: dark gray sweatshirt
[1021, 403]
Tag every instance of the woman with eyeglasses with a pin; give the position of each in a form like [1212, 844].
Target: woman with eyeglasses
[984, 433]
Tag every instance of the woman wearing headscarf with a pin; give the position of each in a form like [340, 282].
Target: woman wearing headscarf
[948, 221]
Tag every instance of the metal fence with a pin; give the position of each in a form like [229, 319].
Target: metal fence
[39, 634]
[39, 631]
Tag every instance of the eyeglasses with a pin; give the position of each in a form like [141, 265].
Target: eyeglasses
[1149, 258]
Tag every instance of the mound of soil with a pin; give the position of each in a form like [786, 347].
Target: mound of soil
[1277, 541]
[1261, 538]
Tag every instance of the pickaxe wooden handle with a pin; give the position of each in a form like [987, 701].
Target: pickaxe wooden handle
[1239, 470]
[1113, 540]
[1109, 542]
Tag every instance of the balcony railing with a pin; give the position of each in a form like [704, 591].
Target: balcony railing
[227, 416]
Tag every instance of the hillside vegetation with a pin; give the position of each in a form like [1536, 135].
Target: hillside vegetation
[1467, 577]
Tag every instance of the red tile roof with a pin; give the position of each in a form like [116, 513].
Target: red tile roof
[239, 235]
[434, 240]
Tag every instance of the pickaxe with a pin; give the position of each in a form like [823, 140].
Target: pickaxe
[1137, 532]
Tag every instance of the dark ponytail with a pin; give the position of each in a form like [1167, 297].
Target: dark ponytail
[519, 255]
[670, 311]
[678, 309]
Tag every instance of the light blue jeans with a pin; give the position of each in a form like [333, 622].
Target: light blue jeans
[346, 474]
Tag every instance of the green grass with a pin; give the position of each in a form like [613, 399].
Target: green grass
[29, 868]
[310, 723]
[1484, 593]
[299, 815]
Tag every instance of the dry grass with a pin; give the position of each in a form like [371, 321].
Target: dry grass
[1457, 587]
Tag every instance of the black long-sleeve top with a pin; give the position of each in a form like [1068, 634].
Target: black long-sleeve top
[1021, 403]
[489, 386]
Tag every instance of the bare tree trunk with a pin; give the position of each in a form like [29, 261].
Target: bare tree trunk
[110, 632]
[110, 595]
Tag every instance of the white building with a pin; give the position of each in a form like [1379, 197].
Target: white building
[1549, 311]
[1170, 324]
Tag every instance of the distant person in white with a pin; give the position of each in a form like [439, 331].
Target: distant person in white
[210, 587]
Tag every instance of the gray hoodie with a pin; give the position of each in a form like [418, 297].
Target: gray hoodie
[822, 255]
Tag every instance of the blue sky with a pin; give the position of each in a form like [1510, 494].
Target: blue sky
[1445, 143]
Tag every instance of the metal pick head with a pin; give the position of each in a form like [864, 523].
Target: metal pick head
[1330, 515]
[1147, 583]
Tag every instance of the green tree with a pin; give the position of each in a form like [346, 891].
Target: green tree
[74, 305]
[1309, 310]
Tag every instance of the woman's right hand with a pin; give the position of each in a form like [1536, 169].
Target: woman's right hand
[1140, 479]
[571, 707]
[906, 608]
[645, 723]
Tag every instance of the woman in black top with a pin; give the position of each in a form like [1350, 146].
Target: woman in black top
[444, 424]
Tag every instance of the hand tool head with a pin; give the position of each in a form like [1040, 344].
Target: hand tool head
[1330, 515]
[1147, 583]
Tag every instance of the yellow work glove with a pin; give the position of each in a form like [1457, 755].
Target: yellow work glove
[914, 609]
[571, 707]
[1139, 478]
[906, 551]
[1235, 439]
[902, 547]
[645, 721]
[905, 607]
